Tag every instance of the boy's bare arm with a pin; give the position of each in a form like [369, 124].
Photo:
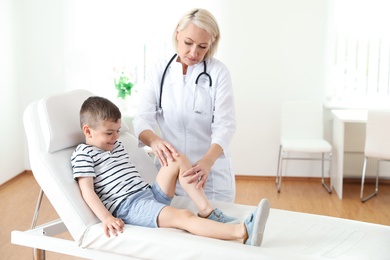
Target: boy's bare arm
[110, 223]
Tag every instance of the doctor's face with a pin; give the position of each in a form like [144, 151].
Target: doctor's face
[192, 44]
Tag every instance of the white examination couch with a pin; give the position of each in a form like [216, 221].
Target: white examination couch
[52, 128]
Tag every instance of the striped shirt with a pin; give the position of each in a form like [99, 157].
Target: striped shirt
[115, 177]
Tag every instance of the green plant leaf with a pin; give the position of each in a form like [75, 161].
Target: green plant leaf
[123, 85]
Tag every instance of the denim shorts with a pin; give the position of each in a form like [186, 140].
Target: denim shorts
[143, 208]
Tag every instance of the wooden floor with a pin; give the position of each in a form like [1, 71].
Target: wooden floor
[310, 197]
[18, 198]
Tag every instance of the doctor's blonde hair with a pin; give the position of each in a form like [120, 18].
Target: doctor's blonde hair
[204, 20]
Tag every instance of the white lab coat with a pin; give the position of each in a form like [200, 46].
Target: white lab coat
[190, 132]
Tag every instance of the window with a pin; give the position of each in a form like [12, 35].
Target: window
[359, 59]
[104, 38]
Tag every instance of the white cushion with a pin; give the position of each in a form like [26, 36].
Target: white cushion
[53, 131]
[306, 145]
[59, 117]
[377, 143]
[288, 235]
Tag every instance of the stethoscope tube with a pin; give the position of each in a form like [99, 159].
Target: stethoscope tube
[204, 73]
[163, 78]
[196, 81]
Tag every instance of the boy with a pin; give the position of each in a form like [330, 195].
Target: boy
[113, 189]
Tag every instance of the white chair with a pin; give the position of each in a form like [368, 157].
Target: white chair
[53, 131]
[377, 145]
[302, 132]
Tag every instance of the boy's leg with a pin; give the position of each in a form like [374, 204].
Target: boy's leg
[205, 209]
[250, 233]
[167, 177]
[183, 219]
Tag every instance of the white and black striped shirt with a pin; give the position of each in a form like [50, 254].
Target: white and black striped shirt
[115, 177]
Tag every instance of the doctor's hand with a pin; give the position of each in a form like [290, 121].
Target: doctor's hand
[164, 151]
[199, 172]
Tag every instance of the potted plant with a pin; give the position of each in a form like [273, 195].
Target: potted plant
[123, 85]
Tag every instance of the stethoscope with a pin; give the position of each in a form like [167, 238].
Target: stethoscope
[196, 81]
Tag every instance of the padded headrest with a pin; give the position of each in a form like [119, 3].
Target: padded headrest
[60, 119]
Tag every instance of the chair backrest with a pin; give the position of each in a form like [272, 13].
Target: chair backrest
[302, 119]
[378, 134]
[53, 131]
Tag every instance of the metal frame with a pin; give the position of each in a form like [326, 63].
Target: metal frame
[364, 199]
[38, 253]
[281, 158]
[42, 238]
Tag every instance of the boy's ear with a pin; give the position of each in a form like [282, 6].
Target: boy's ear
[86, 130]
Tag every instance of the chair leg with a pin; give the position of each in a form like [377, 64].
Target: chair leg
[279, 170]
[37, 207]
[38, 254]
[322, 179]
[363, 179]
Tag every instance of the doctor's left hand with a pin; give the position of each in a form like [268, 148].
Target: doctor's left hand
[199, 172]
[164, 151]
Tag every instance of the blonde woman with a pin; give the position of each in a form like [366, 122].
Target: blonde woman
[188, 97]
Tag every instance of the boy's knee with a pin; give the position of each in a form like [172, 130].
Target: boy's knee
[185, 213]
[183, 160]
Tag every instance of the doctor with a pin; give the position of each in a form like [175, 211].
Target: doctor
[188, 97]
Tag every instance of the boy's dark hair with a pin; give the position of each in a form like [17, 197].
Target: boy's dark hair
[96, 109]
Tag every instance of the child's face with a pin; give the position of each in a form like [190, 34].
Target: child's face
[103, 136]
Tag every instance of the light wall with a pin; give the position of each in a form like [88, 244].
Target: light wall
[275, 51]
[32, 65]
[12, 145]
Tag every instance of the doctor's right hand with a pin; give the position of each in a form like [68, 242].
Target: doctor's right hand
[164, 151]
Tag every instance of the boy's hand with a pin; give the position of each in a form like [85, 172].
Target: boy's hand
[113, 225]
[110, 223]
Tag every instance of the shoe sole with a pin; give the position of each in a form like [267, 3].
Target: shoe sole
[261, 218]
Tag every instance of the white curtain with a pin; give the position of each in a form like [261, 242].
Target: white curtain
[360, 52]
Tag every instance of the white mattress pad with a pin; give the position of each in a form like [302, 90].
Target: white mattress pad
[288, 235]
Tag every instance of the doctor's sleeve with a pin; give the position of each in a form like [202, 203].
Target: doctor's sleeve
[145, 118]
[224, 124]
